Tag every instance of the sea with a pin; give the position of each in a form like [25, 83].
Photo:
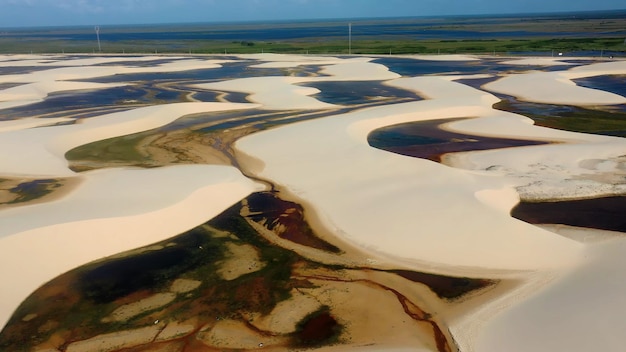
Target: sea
[482, 27]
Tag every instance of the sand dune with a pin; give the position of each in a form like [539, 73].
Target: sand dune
[274, 93]
[412, 200]
[62, 60]
[112, 211]
[42, 150]
[31, 93]
[39, 84]
[117, 209]
[283, 93]
[558, 88]
[583, 311]
[86, 72]
[538, 61]
[411, 212]
[419, 211]
[13, 125]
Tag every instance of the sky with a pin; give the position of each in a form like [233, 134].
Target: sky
[34, 13]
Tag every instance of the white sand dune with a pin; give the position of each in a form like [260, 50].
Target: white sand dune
[39, 84]
[583, 311]
[272, 57]
[420, 214]
[112, 211]
[31, 93]
[284, 93]
[31, 122]
[408, 200]
[16, 59]
[119, 209]
[42, 150]
[357, 69]
[288, 61]
[555, 171]
[538, 61]
[558, 88]
[442, 57]
[274, 93]
[420, 211]
[61, 60]
[88, 72]
[291, 64]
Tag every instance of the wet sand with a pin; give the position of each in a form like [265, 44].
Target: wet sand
[427, 140]
[598, 213]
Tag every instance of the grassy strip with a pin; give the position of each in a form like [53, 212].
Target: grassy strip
[576, 119]
[368, 46]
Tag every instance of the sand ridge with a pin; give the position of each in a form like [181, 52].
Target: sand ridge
[39, 84]
[557, 87]
[45, 147]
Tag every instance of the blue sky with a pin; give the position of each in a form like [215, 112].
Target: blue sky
[26, 13]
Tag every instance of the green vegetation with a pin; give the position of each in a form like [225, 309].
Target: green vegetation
[333, 46]
[78, 300]
[116, 149]
[586, 120]
[76, 303]
[562, 32]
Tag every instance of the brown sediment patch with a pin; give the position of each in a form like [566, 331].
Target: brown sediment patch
[598, 213]
[284, 318]
[412, 302]
[233, 334]
[148, 149]
[205, 138]
[317, 329]
[263, 306]
[170, 346]
[446, 287]
[133, 309]
[349, 255]
[193, 139]
[242, 259]
[184, 143]
[184, 285]
[286, 219]
[254, 294]
[54, 343]
[117, 340]
[177, 330]
[15, 192]
[388, 322]
[427, 140]
[44, 329]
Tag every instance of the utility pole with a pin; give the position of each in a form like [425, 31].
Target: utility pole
[98, 37]
[350, 38]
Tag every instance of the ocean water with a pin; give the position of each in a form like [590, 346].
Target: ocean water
[384, 28]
